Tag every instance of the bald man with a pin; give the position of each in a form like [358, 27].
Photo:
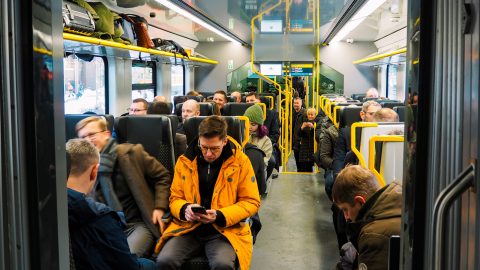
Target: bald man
[190, 108]
[237, 96]
[385, 115]
[371, 93]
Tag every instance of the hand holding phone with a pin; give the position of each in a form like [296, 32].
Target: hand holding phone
[199, 210]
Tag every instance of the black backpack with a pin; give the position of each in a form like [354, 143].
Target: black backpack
[169, 46]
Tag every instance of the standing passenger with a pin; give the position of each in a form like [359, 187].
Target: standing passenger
[298, 112]
[126, 177]
[307, 140]
[215, 177]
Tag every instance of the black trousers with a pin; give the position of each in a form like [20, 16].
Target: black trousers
[179, 249]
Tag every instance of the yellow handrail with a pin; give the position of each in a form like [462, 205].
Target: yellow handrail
[272, 103]
[97, 41]
[380, 56]
[264, 108]
[335, 122]
[372, 153]
[247, 129]
[353, 140]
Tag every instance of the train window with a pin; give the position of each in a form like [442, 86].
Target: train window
[143, 80]
[177, 80]
[392, 81]
[84, 84]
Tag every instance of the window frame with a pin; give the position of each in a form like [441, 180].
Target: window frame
[106, 82]
[146, 86]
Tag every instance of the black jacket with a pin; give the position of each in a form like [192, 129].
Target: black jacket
[256, 158]
[341, 148]
[96, 235]
[271, 122]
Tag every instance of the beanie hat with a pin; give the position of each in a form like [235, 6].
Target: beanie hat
[255, 114]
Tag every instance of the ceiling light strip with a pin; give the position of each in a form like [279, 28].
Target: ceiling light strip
[204, 21]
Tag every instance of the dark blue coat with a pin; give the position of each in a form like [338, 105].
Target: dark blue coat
[96, 235]
[340, 151]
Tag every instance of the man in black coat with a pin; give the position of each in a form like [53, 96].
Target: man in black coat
[96, 233]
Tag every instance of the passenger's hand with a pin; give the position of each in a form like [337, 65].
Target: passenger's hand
[210, 217]
[157, 219]
[189, 214]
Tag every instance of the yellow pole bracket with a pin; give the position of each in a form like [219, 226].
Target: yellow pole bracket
[372, 153]
[353, 140]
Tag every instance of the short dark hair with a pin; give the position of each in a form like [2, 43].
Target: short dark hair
[141, 100]
[354, 181]
[222, 93]
[159, 107]
[213, 126]
[81, 154]
[253, 94]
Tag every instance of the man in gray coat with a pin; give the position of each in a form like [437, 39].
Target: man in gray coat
[129, 181]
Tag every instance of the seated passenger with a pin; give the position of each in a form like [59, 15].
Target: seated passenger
[96, 235]
[214, 174]
[220, 98]
[160, 99]
[190, 108]
[258, 132]
[307, 140]
[386, 115]
[159, 107]
[371, 93]
[374, 214]
[139, 106]
[126, 177]
[237, 96]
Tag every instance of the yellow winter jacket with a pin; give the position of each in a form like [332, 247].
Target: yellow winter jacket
[235, 195]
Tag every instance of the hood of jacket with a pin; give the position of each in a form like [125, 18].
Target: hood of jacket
[82, 209]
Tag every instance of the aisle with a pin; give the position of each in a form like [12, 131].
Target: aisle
[297, 229]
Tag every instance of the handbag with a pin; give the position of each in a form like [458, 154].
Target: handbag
[170, 46]
[140, 27]
[77, 19]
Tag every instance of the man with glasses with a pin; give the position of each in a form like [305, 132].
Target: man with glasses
[139, 106]
[213, 190]
[130, 181]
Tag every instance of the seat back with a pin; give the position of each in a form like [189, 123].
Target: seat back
[153, 132]
[206, 108]
[400, 110]
[390, 103]
[391, 164]
[236, 128]
[369, 131]
[359, 97]
[349, 115]
[71, 121]
[233, 109]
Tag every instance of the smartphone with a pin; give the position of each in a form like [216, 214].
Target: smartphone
[199, 210]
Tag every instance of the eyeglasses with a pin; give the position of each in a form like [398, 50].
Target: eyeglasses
[135, 110]
[213, 149]
[92, 135]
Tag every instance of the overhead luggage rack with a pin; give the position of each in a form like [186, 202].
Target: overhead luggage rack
[82, 44]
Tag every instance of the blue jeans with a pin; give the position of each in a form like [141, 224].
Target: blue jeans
[146, 264]
[329, 183]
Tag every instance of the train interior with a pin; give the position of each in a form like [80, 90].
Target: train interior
[421, 56]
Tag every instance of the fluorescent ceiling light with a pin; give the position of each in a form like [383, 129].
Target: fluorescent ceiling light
[195, 19]
[365, 11]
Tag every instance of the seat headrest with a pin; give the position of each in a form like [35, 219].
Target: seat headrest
[400, 110]
[235, 109]
[349, 115]
[206, 109]
[359, 97]
[235, 128]
[72, 119]
[153, 132]
[391, 104]
[181, 99]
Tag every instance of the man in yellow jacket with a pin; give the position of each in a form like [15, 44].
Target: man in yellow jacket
[214, 177]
